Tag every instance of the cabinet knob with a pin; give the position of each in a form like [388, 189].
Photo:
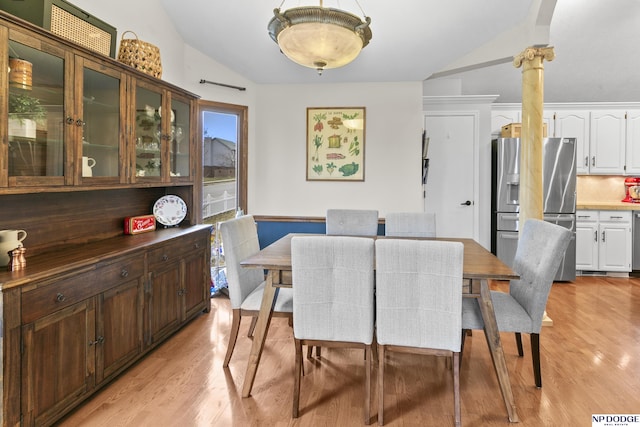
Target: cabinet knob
[79, 123]
[69, 120]
[60, 297]
[124, 273]
[196, 246]
[165, 257]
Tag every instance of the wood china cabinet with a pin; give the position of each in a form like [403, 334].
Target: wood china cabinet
[86, 141]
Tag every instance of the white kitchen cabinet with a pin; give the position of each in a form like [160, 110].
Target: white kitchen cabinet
[603, 241]
[575, 124]
[607, 142]
[587, 240]
[501, 118]
[633, 143]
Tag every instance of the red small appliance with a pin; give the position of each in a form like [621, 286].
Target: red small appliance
[632, 190]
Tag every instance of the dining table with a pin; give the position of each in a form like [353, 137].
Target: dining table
[480, 266]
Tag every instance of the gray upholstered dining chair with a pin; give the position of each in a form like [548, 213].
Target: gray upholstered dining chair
[410, 224]
[352, 222]
[246, 285]
[541, 248]
[418, 304]
[333, 303]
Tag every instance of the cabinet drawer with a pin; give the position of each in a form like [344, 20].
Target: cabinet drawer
[615, 216]
[67, 290]
[586, 216]
[174, 251]
[57, 294]
[120, 271]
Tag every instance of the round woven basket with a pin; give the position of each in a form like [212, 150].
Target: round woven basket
[140, 55]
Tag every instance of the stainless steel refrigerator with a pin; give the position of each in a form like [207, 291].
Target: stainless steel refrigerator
[559, 196]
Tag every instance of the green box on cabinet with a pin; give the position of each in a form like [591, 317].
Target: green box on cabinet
[67, 21]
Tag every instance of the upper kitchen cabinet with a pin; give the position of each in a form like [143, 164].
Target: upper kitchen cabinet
[607, 142]
[162, 134]
[78, 120]
[502, 117]
[575, 124]
[633, 142]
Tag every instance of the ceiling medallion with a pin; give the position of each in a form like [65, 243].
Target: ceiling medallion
[319, 37]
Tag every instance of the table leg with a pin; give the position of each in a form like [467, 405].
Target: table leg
[495, 347]
[260, 333]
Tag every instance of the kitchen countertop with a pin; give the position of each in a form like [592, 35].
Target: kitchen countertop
[608, 205]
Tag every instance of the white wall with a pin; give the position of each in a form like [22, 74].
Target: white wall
[392, 150]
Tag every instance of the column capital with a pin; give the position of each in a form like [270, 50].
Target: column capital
[531, 53]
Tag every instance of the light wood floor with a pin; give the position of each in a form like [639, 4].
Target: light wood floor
[590, 364]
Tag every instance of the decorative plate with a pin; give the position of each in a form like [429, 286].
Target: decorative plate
[169, 210]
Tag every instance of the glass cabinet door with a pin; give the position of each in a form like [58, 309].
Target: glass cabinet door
[36, 125]
[101, 124]
[180, 138]
[149, 134]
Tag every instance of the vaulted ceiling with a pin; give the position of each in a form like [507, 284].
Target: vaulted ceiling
[471, 41]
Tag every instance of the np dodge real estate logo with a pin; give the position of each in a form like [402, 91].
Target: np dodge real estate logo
[615, 420]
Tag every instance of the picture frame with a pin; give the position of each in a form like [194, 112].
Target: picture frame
[335, 143]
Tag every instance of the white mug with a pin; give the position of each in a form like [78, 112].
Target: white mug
[87, 164]
[10, 240]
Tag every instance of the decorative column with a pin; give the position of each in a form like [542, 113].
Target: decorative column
[531, 185]
[531, 135]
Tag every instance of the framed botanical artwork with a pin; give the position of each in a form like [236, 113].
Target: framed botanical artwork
[335, 144]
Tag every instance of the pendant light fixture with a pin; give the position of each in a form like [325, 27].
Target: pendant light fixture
[319, 37]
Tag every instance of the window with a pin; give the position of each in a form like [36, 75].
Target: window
[223, 133]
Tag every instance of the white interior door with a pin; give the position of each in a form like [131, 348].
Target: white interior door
[451, 183]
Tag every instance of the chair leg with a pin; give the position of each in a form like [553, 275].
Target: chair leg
[233, 336]
[535, 357]
[380, 384]
[464, 335]
[519, 344]
[456, 388]
[310, 351]
[296, 382]
[367, 385]
[252, 326]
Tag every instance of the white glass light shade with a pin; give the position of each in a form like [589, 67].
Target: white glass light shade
[318, 37]
[319, 45]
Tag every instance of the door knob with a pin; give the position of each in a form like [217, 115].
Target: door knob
[467, 203]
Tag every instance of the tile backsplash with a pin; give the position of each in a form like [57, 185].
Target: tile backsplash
[600, 188]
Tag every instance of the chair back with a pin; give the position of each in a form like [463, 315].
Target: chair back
[333, 292]
[541, 248]
[410, 224]
[239, 241]
[352, 222]
[419, 293]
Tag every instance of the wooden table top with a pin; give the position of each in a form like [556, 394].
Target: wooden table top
[479, 263]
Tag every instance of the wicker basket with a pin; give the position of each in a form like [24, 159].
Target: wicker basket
[140, 55]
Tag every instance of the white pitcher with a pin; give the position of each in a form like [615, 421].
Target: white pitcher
[87, 164]
[9, 240]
